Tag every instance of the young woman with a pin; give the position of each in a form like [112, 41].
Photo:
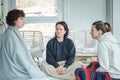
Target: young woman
[108, 55]
[16, 62]
[60, 54]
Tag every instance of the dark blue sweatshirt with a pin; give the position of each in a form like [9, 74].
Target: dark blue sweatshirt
[60, 51]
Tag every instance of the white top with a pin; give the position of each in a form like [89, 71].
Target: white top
[108, 55]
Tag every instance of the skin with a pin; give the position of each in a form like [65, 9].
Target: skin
[94, 33]
[60, 31]
[19, 23]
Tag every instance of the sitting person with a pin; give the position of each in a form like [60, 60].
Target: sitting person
[16, 62]
[60, 54]
[108, 65]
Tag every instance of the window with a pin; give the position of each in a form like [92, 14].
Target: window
[41, 15]
[41, 10]
[38, 7]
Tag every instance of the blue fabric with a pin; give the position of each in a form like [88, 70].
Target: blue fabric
[60, 51]
[115, 79]
[90, 73]
[100, 76]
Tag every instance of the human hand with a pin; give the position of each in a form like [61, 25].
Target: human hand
[60, 70]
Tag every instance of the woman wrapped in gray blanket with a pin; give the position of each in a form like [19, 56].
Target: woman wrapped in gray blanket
[16, 62]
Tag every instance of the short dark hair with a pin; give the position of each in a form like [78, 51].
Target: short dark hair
[14, 15]
[64, 24]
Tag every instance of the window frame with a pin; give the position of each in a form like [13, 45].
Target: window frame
[44, 19]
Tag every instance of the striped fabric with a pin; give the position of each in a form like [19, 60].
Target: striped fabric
[89, 73]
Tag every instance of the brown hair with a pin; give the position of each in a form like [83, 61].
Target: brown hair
[64, 24]
[103, 26]
[14, 15]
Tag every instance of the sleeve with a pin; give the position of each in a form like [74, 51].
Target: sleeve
[103, 57]
[71, 54]
[50, 58]
[92, 48]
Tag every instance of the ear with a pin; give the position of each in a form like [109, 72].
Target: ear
[100, 32]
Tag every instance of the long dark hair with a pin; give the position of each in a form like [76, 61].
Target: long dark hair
[103, 26]
[64, 24]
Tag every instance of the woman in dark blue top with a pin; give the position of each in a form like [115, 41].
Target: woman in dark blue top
[60, 54]
[60, 51]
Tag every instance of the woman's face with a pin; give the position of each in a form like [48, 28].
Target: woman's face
[19, 23]
[94, 33]
[60, 31]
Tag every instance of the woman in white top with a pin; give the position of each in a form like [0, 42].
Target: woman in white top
[108, 49]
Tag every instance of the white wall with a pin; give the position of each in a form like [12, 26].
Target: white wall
[116, 19]
[81, 14]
